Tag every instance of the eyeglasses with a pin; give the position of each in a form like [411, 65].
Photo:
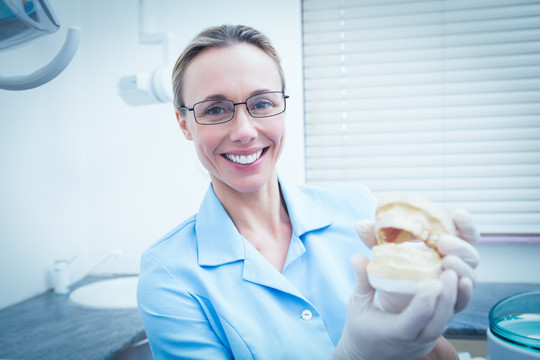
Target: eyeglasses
[219, 111]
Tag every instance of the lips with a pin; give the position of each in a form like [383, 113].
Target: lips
[245, 159]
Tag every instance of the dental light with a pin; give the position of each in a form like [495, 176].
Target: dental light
[150, 86]
[25, 20]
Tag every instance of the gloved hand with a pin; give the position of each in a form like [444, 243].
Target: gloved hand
[371, 333]
[458, 254]
[409, 333]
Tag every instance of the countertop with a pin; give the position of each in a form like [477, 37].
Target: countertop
[472, 322]
[49, 326]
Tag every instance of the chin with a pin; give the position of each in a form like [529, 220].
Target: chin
[245, 184]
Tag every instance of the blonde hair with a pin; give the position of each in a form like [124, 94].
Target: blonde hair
[216, 37]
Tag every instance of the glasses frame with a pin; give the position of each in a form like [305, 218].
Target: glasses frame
[285, 97]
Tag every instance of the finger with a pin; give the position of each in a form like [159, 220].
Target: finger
[465, 226]
[417, 314]
[392, 302]
[363, 292]
[464, 295]
[444, 309]
[461, 268]
[451, 245]
[366, 230]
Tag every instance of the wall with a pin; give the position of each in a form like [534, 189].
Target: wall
[83, 173]
[42, 199]
[509, 262]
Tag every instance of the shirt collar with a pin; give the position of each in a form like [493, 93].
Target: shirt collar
[219, 242]
[305, 214]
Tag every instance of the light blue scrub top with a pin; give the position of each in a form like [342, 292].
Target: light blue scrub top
[206, 293]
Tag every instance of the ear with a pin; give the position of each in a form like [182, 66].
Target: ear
[183, 124]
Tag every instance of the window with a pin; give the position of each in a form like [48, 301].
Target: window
[439, 98]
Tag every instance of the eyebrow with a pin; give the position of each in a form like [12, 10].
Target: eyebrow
[215, 97]
[223, 97]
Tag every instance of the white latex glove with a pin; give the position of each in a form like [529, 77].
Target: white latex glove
[410, 332]
[371, 333]
[460, 256]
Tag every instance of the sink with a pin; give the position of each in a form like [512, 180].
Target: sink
[117, 293]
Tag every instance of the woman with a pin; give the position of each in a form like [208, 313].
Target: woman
[262, 271]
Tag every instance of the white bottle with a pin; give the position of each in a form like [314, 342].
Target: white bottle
[61, 276]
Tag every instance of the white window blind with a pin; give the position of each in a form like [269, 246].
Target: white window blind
[439, 98]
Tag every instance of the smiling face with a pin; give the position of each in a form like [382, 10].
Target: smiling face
[242, 153]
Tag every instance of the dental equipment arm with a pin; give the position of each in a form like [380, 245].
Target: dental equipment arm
[49, 71]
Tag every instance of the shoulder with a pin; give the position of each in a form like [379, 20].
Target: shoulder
[185, 229]
[347, 198]
[336, 190]
[181, 240]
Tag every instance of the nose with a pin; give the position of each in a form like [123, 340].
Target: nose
[242, 126]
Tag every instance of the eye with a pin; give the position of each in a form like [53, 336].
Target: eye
[261, 104]
[213, 108]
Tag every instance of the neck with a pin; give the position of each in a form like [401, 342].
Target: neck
[260, 216]
[246, 208]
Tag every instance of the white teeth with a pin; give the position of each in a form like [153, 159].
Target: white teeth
[244, 160]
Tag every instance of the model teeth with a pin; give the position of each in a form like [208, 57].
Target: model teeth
[243, 159]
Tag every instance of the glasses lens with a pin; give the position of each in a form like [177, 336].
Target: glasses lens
[213, 111]
[267, 104]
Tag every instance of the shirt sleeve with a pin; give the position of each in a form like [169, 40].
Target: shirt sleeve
[175, 321]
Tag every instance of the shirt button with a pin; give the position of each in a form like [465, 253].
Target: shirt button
[306, 314]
